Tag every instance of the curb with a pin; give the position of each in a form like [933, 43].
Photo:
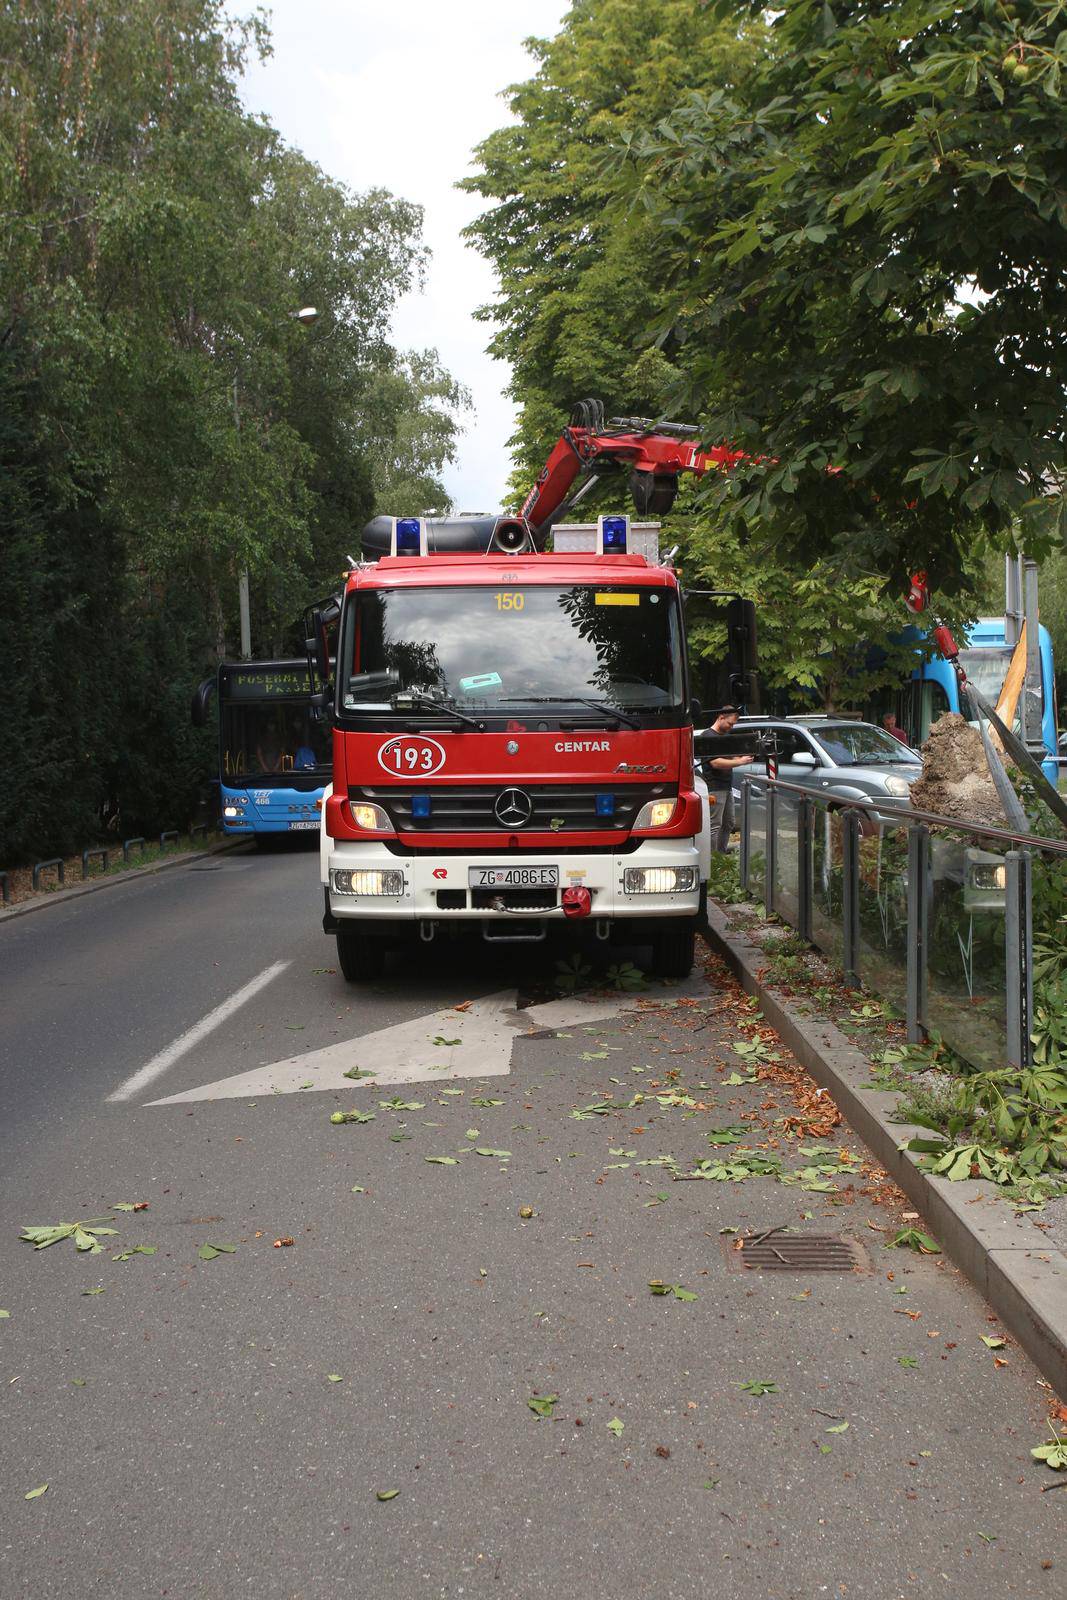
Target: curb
[1025, 1286]
[76, 890]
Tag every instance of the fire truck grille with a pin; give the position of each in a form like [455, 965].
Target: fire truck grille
[552, 809]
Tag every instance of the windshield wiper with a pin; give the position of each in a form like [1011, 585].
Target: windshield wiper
[603, 706]
[413, 699]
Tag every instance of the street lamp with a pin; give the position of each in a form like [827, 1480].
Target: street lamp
[305, 316]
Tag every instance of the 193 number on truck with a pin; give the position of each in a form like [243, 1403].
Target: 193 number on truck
[411, 755]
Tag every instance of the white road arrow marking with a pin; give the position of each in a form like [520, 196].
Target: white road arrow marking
[185, 1042]
[406, 1053]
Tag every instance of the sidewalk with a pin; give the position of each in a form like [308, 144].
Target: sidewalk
[1016, 1261]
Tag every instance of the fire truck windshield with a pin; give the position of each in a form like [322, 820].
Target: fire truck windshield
[483, 648]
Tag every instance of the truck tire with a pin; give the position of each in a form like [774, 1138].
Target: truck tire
[361, 959]
[672, 950]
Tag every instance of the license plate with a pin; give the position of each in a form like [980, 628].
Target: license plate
[513, 877]
[312, 824]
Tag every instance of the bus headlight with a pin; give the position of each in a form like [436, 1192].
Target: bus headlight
[367, 881]
[656, 814]
[234, 811]
[373, 818]
[659, 880]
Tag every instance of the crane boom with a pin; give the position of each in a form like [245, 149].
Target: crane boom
[655, 452]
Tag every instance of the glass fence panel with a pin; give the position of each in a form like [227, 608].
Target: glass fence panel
[965, 979]
[757, 841]
[1048, 1030]
[786, 858]
[826, 890]
[883, 925]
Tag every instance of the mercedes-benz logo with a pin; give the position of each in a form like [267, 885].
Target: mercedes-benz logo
[513, 808]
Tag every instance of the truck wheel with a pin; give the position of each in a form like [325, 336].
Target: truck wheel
[360, 958]
[672, 951]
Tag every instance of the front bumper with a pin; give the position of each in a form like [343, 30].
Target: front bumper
[432, 884]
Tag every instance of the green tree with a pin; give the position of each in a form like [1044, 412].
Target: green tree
[166, 421]
[579, 283]
[863, 249]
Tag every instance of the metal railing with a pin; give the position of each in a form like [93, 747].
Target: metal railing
[932, 915]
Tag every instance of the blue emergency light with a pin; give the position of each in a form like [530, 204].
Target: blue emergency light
[612, 534]
[408, 536]
[420, 807]
[605, 805]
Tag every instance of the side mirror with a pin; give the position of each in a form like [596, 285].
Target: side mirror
[696, 711]
[318, 653]
[741, 635]
[803, 758]
[201, 701]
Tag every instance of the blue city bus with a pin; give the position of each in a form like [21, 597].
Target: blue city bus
[275, 758]
[932, 688]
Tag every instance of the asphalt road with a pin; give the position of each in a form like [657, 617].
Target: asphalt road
[212, 1428]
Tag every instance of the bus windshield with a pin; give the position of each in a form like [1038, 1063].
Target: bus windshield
[987, 670]
[266, 727]
[484, 648]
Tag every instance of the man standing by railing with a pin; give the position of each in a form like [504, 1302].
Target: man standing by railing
[718, 774]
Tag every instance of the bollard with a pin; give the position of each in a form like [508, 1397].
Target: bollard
[43, 866]
[170, 833]
[198, 827]
[5, 888]
[127, 845]
[89, 855]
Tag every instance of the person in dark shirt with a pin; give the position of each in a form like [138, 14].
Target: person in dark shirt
[719, 776]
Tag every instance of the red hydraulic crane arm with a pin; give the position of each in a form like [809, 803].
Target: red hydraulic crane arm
[654, 452]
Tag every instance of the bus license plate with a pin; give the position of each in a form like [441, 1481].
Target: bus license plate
[312, 824]
[513, 877]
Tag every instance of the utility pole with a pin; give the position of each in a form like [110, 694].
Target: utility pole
[305, 316]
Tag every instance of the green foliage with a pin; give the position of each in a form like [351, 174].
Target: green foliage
[578, 287]
[862, 251]
[164, 422]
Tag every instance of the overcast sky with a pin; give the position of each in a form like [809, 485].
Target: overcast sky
[397, 94]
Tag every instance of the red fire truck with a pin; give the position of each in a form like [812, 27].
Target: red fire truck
[512, 740]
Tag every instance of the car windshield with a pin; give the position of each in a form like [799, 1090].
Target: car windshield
[485, 648]
[859, 744]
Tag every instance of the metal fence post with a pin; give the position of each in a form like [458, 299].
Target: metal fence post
[918, 857]
[770, 854]
[850, 897]
[1018, 956]
[805, 886]
[743, 863]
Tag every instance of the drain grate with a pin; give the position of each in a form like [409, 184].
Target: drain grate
[800, 1252]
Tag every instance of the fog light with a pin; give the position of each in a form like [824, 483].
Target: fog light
[656, 814]
[370, 817]
[659, 880]
[366, 881]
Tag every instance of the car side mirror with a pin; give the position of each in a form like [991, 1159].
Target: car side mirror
[803, 758]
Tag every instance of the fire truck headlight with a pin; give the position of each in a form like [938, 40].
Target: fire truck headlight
[371, 817]
[367, 881]
[656, 814]
[659, 880]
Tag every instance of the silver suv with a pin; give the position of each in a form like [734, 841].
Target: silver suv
[834, 755]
